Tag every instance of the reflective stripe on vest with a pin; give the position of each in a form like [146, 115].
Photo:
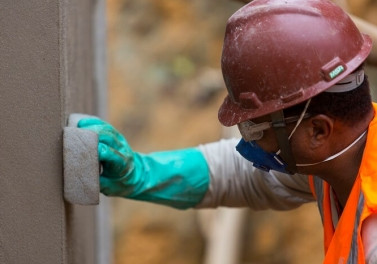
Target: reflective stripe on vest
[346, 250]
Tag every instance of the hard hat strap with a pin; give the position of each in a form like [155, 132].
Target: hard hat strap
[279, 126]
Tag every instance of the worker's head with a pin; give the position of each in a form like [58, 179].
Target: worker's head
[284, 58]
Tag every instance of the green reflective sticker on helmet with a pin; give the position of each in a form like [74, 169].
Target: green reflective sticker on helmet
[338, 70]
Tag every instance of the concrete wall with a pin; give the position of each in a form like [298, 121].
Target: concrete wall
[47, 71]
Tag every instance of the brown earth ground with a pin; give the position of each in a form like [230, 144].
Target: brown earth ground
[164, 91]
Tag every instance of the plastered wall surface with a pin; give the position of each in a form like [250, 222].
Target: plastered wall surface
[32, 210]
[46, 73]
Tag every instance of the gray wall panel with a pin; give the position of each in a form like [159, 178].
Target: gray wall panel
[46, 73]
[31, 204]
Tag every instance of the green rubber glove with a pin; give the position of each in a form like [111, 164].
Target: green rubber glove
[177, 178]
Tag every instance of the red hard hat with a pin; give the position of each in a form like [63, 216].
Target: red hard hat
[278, 53]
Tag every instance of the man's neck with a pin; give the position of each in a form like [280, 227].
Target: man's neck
[343, 171]
[343, 175]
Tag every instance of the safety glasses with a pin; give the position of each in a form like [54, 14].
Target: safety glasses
[251, 131]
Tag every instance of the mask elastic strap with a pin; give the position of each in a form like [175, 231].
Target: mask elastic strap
[279, 126]
[335, 155]
[301, 118]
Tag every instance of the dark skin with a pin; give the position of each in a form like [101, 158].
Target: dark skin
[318, 138]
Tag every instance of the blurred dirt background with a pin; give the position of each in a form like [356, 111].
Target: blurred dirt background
[165, 87]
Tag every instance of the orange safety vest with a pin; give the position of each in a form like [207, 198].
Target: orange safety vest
[343, 244]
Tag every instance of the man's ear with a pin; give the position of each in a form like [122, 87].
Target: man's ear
[321, 128]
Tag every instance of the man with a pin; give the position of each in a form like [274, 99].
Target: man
[299, 95]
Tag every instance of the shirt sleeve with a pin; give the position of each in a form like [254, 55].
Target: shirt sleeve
[234, 182]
